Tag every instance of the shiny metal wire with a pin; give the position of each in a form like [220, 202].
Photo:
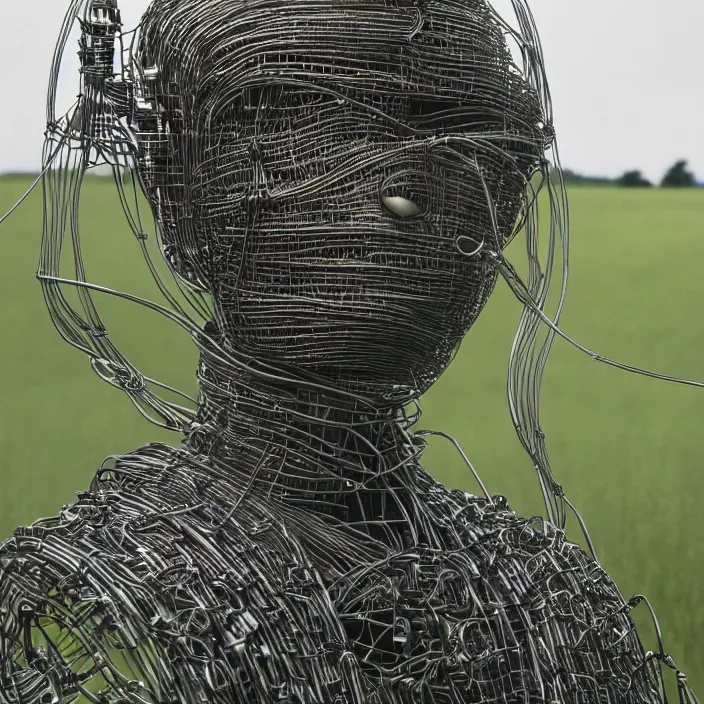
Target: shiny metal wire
[316, 170]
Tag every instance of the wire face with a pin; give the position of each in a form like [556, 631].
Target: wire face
[333, 186]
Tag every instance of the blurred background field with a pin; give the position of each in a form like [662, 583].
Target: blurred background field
[627, 449]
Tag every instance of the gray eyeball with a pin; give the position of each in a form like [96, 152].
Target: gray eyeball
[401, 206]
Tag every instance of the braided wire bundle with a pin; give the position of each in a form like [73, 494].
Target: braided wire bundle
[333, 186]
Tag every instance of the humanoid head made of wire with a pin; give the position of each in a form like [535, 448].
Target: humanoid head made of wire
[334, 174]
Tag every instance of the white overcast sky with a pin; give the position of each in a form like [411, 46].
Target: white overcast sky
[625, 76]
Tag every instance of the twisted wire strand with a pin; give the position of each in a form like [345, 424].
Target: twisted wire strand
[333, 187]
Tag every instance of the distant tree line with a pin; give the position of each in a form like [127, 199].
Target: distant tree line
[570, 176]
[677, 176]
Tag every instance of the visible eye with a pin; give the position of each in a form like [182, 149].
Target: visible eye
[403, 207]
[404, 193]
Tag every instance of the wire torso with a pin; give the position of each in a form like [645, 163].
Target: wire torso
[295, 551]
[139, 598]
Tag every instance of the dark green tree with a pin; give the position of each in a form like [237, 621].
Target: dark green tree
[633, 179]
[677, 176]
[572, 177]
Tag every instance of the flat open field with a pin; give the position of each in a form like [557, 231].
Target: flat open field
[627, 449]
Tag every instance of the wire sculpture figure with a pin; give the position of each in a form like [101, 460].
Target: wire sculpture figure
[333, 186]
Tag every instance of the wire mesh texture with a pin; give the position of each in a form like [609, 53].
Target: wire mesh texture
[333, 185]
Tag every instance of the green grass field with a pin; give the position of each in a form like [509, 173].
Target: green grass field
[627, 449]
